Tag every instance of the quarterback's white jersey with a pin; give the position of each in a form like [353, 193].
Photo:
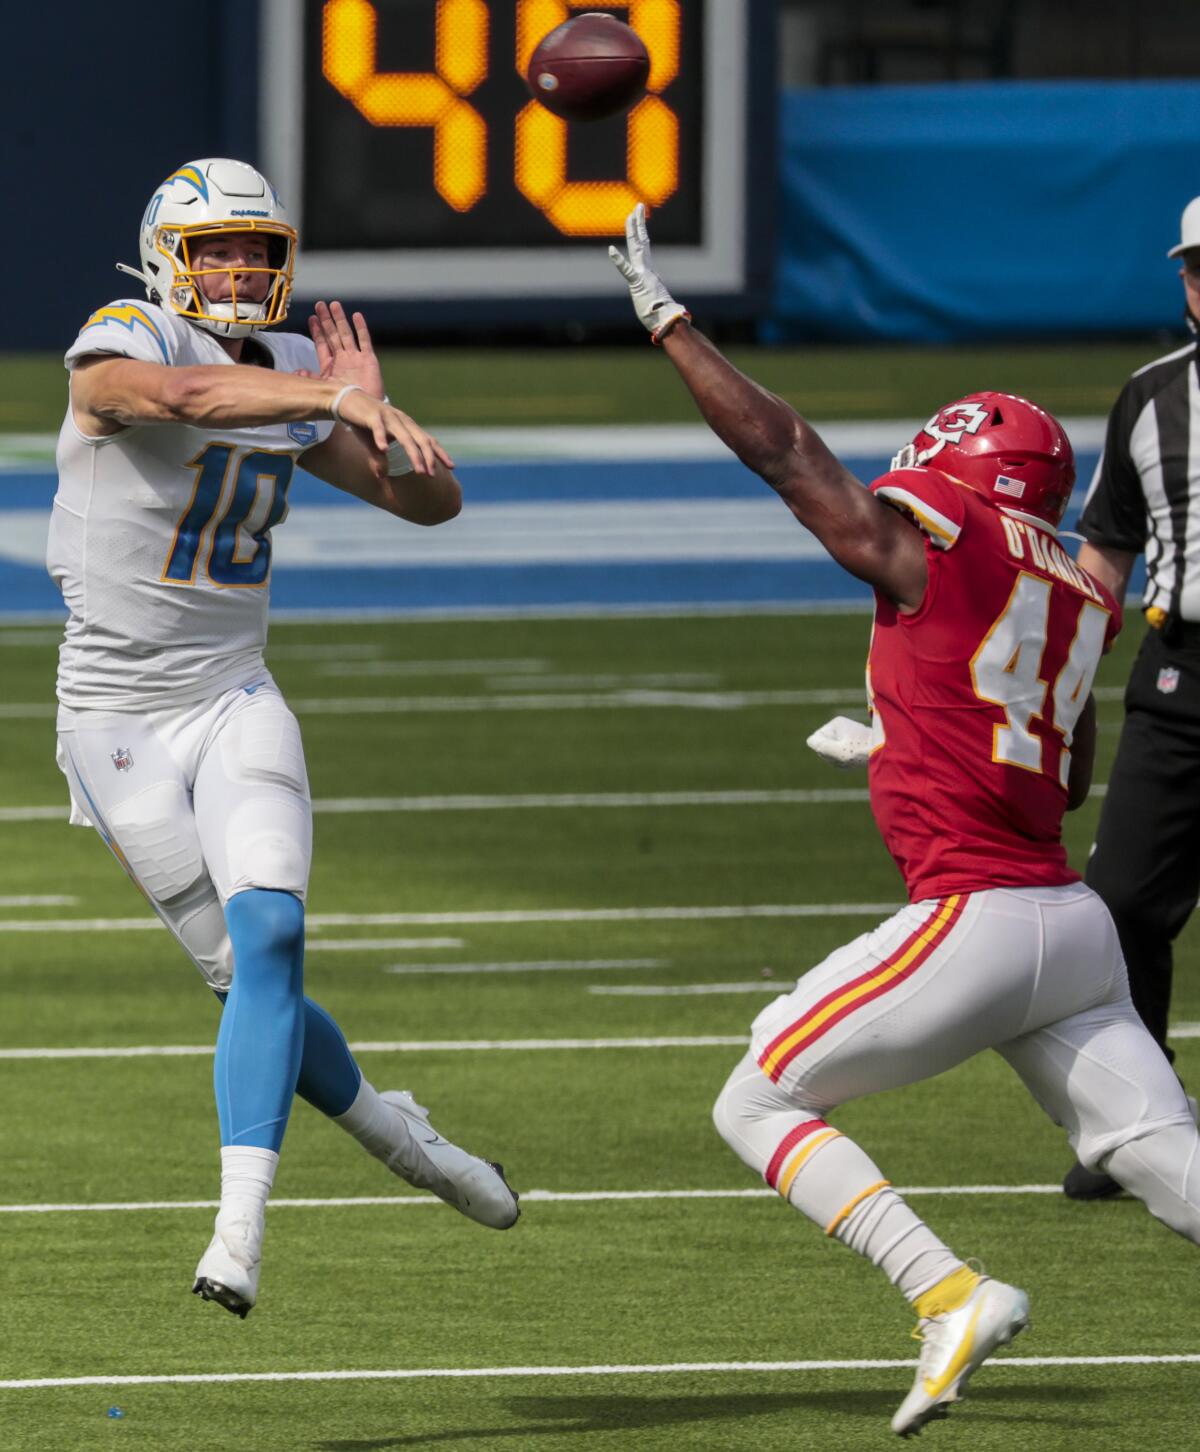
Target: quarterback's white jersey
[160, 538]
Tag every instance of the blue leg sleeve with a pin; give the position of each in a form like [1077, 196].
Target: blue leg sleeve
[329, 1077]
[261, 1037]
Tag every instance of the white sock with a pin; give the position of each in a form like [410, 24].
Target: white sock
[904, 1248]
[380, 1130]
[247, 1174]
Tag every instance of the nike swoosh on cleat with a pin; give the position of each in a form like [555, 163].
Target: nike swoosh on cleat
[957, 1361]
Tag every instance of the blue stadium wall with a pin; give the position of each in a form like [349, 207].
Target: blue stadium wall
[950, 213]
[100, 102]
[905, 213]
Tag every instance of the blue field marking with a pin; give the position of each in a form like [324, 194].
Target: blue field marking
[549, 481]
[431, 588]
[557, 552]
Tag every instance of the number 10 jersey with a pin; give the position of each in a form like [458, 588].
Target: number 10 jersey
[160, 538]
[976, 695]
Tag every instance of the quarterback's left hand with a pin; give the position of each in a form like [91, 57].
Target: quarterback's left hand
[345, 353]
[654, 305]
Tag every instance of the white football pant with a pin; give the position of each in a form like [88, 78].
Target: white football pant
[197, 802]
[1034, 973]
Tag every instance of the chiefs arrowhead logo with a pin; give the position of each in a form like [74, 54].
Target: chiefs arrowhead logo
[949, 426]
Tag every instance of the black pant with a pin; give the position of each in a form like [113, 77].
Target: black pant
[1146, 862]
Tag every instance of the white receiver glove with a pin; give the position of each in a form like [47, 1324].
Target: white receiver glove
[842, 741]
[653, 304]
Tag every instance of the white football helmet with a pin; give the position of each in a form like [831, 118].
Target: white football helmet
[200, 199]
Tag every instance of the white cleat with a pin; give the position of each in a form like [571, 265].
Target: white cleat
[955, 1345]
[228, 1269]
[477, 1188]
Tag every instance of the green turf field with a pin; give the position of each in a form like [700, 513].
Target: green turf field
[457, 387]
[673, 706]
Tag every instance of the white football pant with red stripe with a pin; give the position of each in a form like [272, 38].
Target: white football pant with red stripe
[1034, 973]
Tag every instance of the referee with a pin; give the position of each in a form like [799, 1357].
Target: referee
[1145, 497]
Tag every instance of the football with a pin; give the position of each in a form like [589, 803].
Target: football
[589, 67]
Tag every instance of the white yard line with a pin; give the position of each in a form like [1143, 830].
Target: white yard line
[608, 681]
[573, 801]
[547, 801]
[540, 1197]
[545, 966]
[23, 638]
[441, 1046]
[397, 1046]
[633, 1369]
[44, 900]
[686, 990]
[535, 801]
[621, 700]
[337, 665]
[317, 921]
[348, 650]
[372, 945]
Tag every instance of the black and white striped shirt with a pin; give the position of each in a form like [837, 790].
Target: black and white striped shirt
[1145, 494]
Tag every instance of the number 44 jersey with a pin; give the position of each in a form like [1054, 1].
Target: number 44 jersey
[160, 538]
[975, 696]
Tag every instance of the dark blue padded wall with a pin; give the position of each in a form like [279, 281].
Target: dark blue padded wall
[948, 213]
[100, 102]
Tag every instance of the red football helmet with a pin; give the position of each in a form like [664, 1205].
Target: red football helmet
[1003, 447]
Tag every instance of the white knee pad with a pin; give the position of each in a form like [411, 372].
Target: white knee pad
[156, 835]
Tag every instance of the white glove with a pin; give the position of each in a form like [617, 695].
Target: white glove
[844, 742]
[653, 304]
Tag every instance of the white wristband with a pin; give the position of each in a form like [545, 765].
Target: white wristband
[335, 408]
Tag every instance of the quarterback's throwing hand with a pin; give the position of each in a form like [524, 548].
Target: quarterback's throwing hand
[654, 305]
[388, 427]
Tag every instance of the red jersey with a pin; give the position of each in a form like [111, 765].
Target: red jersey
[976, 695]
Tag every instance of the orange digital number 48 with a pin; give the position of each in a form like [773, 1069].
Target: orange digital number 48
[437, 100]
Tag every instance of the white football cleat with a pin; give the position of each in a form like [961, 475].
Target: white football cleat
[954, 1346]
[477, 1188]
[228, 1269]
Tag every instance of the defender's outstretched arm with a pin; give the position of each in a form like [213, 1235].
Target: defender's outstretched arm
[864, 535]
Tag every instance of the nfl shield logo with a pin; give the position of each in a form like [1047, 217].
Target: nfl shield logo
[122, 758]
[1168, 679]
